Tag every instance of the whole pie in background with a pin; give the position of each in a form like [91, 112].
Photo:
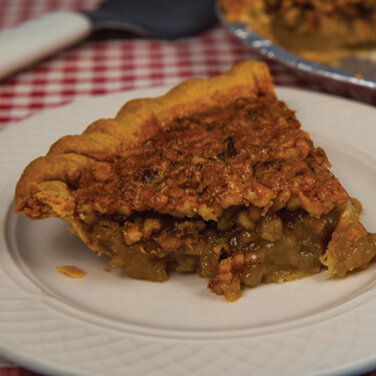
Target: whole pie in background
[320, 30]
[215, 177]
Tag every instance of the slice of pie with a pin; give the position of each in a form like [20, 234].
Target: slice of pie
[303, 26]
[214, 177]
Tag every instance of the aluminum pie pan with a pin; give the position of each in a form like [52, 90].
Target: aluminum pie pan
[337, 81]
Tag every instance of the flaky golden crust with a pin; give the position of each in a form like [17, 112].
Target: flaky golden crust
[44, 188]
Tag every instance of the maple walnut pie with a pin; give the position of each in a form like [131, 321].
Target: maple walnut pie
[214, 177]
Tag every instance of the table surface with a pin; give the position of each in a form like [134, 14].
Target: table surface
[111, 62]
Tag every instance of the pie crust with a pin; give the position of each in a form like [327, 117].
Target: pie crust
[214, 177]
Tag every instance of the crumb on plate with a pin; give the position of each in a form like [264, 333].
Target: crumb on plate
[71, 271]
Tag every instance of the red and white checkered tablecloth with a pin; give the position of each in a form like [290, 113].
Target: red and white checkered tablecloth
[103, 65]
[106, 63]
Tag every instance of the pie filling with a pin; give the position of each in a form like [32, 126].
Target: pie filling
[242, 248]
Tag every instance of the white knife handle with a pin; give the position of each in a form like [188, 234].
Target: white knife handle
[39, 38]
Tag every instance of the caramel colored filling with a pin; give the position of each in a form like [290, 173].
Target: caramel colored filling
[242, 248]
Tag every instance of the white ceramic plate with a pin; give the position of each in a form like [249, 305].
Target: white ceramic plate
[108, 324]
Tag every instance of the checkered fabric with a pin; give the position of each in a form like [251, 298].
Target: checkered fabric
[105, 63]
